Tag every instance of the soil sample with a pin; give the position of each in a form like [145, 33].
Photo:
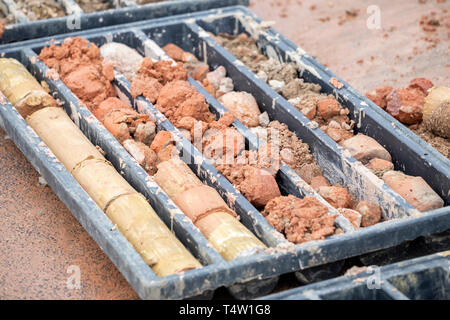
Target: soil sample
[288, 147]
[126, 208]
[137, 133]
[89, 6]
[82, 69]
[22, 89]
[326, 112]
[300, 220]
[40, 9]
[407, 104]
[204, 206]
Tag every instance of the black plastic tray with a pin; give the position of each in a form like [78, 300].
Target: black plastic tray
[425, 278]
[77, 20]
[247, 277]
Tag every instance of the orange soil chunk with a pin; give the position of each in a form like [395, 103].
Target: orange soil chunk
[82, 69]
[300, 220]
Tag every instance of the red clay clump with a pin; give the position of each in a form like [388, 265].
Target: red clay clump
[379, 95]
[152, 76]
[300, 220]
[178, 99]
[82, 69]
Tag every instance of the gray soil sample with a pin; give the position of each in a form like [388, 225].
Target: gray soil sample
[89, 6]
[329, 114]
[40, 9]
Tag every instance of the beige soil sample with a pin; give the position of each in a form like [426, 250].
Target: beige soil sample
[215, 82]
[300, 220]
[82, 69]
[283, 78]
[406, 105]
[89, 6]
[125, 59]
[40, 9]
[243, 105]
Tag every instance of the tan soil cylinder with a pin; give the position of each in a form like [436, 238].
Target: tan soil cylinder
[436, 111]
[22, 89]
[139, 223]
[199, 201]
[207, 210]
[71, 149]
[227, 235]
[126, 208]
[101, 181]
[179, 177]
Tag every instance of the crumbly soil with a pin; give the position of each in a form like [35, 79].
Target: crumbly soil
[329, 114]
[300, 220]
[413, 96]
[289, 148]
[439, 143]
[41, 9]
[94, 5]
[81, 68]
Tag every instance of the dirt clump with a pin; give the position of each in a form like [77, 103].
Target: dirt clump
[82, 69]
[300, 220]
[371, 213]
[243, 105]
[406, 105]
[153, 76]
[379, 95]
[414, 190]
[124, 122]
[178, 99]
[125, 59]
[215, 82]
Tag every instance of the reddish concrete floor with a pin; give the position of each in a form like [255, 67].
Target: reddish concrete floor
[366, 58]
[40, 238]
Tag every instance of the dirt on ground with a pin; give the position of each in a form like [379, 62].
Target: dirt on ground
[41, 9]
